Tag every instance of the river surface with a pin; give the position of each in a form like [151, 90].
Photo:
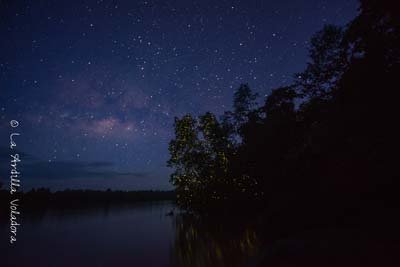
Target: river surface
[131, 235]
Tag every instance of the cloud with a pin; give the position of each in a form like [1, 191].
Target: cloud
[33, 169]
[61, 170]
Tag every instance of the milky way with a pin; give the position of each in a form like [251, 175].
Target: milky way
[95, 85]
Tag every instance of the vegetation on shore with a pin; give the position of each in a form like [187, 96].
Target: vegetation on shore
[319, 150]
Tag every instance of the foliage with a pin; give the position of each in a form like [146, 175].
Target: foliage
[327, 63]
[329, 134]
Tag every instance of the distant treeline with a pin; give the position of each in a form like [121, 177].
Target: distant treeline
[322, 149]
[43, 197]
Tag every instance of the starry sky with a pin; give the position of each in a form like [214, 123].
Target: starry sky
[95, 85]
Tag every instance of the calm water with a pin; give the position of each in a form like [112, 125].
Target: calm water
[135, 235]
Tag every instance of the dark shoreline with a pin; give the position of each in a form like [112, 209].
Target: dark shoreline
[42, 198]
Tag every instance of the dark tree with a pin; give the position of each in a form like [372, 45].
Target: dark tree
[318, 150]
[327, 63]
[244, 104]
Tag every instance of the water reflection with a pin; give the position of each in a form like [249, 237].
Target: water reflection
[213, 243]
[119, 235]
[127, 235]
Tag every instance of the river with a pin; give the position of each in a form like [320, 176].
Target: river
[138, 234]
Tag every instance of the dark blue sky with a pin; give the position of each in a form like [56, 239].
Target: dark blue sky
[95, 85]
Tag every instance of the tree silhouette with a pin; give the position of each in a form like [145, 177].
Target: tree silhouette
[327, 63]
[318, 149]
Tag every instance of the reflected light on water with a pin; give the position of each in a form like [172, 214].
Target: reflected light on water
[200, 244]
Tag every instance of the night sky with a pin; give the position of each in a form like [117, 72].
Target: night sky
[95, 85]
